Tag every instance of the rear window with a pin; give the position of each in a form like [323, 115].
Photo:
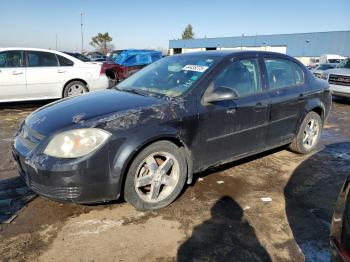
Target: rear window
[41, 59]
[64, 61]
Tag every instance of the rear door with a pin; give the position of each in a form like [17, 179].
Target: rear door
[12, 76]
[237, 127]
[288, 92]
[44, 77]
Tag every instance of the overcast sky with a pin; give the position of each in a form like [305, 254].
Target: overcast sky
[150, 24]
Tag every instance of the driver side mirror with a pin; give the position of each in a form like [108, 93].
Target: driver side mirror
[221, 93]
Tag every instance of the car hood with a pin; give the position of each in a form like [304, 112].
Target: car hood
[89, 110]
[339, 71]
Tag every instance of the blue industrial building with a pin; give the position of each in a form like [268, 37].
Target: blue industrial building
[297, 45]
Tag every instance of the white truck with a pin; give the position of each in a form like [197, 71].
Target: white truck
[339, 79]
[331, 59]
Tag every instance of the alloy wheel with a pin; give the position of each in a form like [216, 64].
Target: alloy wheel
[76, 89]
[311, 133]
[157, 176]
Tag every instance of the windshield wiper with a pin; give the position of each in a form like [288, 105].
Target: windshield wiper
[134, 91]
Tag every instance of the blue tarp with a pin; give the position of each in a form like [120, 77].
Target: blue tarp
[137, 57]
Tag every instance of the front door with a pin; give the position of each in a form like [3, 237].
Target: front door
[12, 76]
[237, 127]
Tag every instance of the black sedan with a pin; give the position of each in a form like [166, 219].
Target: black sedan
[340, 228]
[180, 115]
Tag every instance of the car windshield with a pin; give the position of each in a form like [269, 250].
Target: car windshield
[82, 58]
[170, 76]
[325, 67]
[334, 60]
[113, 56]
[79, 56]
[344, 64]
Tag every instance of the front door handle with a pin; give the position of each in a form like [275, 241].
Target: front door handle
[17, 72]
[302, 96]
[260, 106]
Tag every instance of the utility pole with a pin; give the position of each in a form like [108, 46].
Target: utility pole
[56, 42]
[81, 30]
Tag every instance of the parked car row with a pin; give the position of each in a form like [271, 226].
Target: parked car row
[33, 74]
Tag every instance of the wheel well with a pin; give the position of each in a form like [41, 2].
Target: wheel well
[319, 111]
[76, 79]
[173, 140]
[110, 74]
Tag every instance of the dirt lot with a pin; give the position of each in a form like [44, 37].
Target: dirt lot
[220, 217]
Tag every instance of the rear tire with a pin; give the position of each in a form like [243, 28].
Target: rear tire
[74, 88]
[156, 176]
[308, 134]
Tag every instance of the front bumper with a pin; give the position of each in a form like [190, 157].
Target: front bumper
[338, 90]
[84, 180]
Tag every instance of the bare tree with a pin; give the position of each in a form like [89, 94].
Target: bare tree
[101, 42]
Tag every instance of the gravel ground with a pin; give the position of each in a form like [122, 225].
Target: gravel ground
[220, 217]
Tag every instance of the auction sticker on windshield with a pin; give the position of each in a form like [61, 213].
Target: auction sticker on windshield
[195, 68]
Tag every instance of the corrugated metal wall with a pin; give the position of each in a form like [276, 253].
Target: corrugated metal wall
[302, 44]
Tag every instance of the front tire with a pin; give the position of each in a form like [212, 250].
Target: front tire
[156, 177]
[308, 134]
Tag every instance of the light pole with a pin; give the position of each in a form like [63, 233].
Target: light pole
[81, 30]
[56, 42]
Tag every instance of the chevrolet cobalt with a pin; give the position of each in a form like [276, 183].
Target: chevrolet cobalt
[145, 138]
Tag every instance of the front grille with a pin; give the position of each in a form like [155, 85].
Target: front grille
[339, 80]
[29, 137]
[318, 75]
[56, 192]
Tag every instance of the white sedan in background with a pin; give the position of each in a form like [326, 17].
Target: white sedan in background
[34, 74]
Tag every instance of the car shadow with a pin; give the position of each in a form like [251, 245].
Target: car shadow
[310, 197]
[14, 195]
[341, 100]
[22, 105]
[234, 163]
[226, 236]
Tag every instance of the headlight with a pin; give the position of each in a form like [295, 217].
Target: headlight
[76, 143]
[324, 76]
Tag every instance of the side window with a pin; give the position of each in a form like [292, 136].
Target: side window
[11, 59]
[42, 59]
[243, 76]
[64, 61]
[283, 73]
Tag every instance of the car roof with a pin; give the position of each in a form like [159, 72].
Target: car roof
[224, 53]
[26, 49]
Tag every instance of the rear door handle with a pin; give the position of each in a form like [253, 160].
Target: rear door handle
[260, 106]
[17, 72]
[61, 71]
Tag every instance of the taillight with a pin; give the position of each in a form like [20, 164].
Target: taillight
[103, 70]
